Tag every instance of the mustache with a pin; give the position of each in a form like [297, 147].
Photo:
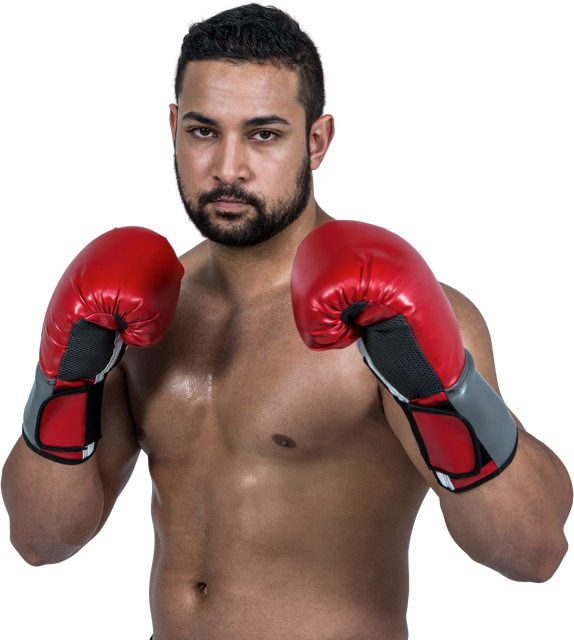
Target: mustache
[221, 192]
[229, 191]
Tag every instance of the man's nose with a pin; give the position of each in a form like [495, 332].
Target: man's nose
[230, 161]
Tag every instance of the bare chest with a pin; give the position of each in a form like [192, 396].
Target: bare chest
[247, 430]
[270, 461]
[246, 381]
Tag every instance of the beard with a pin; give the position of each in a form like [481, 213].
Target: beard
[268, 221]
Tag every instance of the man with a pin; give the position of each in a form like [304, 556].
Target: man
[286, 481]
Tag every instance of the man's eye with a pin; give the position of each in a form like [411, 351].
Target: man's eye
[264, 135]
[202, 132]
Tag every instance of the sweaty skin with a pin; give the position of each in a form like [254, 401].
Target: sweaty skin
[282, 501]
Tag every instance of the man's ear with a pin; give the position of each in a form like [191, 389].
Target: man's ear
[322, 133]
[173, 121]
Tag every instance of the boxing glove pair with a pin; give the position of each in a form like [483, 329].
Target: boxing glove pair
[121, 290]
[353, 281]
[350, 282]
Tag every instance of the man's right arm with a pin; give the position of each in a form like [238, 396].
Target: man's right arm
[55, 509]
[59, 484]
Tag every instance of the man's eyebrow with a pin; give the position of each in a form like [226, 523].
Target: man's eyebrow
[199, 117]
[258, 121]
[263, 121]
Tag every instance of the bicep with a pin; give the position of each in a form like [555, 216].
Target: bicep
[118, 448]
[475, 337]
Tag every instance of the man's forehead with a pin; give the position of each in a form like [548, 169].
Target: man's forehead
[222, 85]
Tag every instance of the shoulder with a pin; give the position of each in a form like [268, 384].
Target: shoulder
[197, 278]
[195, 260]
[469, 317]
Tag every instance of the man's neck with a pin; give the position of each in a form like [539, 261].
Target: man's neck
[246, 274]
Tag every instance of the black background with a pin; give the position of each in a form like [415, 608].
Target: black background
[450, 131]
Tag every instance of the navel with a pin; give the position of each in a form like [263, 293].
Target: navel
[283, 441]
[202, 588]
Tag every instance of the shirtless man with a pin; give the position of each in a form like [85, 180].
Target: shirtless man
[286, 480]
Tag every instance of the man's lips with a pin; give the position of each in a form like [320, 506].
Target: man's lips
[229, 205]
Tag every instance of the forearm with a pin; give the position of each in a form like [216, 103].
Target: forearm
[514, 523]
[54, 509]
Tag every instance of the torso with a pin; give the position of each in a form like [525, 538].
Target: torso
[282, 501]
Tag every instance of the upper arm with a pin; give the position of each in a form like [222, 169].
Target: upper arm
[474, 333]
[475, 337]
[118, 448]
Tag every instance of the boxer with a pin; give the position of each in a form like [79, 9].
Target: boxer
[288, 466]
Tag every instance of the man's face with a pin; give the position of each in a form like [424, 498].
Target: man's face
[241, 152]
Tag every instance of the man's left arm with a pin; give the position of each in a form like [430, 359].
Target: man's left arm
[514, 522]
[505, 496]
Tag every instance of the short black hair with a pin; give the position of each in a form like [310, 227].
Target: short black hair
[262, 35]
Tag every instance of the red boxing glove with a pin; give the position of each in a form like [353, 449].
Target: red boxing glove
[122, 289]
[355, 281]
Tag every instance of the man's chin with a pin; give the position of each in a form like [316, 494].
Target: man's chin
[228, 229]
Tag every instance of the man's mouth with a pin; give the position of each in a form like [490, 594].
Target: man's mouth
[229, 205]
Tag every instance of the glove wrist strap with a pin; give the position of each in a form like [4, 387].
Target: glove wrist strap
[468, 438]
[63, 426]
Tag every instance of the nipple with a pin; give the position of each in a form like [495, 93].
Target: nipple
[140, 434]
[283, 441]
